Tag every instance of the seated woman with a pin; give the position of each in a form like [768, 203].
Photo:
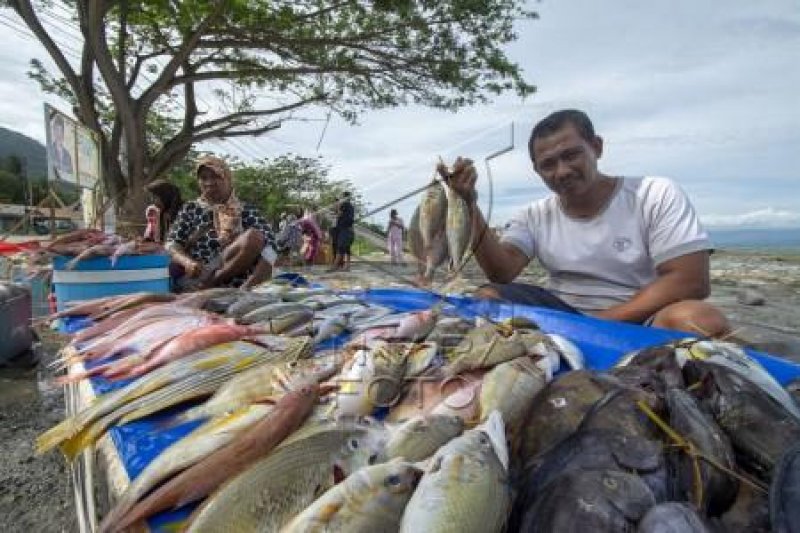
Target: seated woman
[167, 202]
[217, 240]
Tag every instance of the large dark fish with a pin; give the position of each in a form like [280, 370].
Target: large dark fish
[750, 512]
[672, 517]
[618, 410]
[661, 359]
[784, 494]
[589, 500]
[557, 411]
[759, 428]
[594, 450]
[715, 491]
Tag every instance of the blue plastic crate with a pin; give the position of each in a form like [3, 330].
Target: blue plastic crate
[96, 278]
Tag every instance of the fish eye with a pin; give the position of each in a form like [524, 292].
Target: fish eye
[393, 480]
[372, 459]
[609, 482]
[353, 444]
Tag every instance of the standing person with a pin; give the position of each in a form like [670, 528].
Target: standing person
[394, 237]
[333, 232]
[167, 202]
[344, 233]
[216, 240]
[312, 235]
[620, 248]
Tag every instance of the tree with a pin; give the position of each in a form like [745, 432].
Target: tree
[277, 58]
[289, 182]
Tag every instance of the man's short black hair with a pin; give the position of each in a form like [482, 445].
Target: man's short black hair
[555, 121]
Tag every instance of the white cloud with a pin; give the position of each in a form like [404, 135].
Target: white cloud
[762, 218]
[703, 93]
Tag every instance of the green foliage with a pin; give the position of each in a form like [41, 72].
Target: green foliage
[289, 183]
[274, 60]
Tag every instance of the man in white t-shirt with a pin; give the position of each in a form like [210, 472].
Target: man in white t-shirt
[628, 249]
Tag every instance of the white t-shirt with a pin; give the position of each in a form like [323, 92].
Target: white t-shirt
[596, 263]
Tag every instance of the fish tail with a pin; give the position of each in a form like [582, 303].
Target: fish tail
[86, 437]
[55, 435]
[74, 378]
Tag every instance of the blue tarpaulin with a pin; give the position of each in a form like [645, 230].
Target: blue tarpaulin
[602, 343]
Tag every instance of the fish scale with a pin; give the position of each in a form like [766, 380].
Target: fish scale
[272, 491]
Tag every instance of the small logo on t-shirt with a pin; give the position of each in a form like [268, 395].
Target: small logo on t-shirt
[621, 244]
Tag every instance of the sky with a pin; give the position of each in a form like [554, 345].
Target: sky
[701, 91]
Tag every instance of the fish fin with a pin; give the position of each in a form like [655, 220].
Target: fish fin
[82, 440]
[55, 435]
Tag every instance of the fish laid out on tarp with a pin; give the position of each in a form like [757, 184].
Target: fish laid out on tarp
[509, 388]
[672, 517]
[465, 487]
[715, 490]
[614, 501]
[759, 428]
[230, 355]
[182, 454]
[143, 336]
[205, 476]
[371, 499]
[186, 343]
[784, 493]
[734, 358]
[597, 449]
[274, 490]
[419, 437]
[260, 383]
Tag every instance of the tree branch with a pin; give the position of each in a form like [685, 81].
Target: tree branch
[255, 114]
[260, 72]
[163, 84]
[223, 132]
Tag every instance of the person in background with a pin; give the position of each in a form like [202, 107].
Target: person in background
[333, 232]
[394, 237]
[62, 157]
[161, 213]
[344, 233]
[216, 240]
[312, 236]
[630, 249]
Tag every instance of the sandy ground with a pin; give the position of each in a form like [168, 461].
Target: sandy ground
[35, 492]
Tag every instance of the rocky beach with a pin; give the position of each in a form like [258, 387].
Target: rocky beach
[760, 292]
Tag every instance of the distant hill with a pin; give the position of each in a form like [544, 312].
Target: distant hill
[14, 143]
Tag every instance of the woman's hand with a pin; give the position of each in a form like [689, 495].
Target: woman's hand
[193, 268]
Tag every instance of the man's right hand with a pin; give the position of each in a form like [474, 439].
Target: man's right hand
[461, 178]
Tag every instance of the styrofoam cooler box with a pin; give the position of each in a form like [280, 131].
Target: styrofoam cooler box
[96, 278]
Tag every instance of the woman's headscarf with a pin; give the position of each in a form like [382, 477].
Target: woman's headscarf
[227, 215]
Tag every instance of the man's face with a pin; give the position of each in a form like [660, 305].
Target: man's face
[212, 185]
[566, 161]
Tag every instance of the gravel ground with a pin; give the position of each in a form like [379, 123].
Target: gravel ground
[35, 493]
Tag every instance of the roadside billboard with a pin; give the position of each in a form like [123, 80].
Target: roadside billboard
[73, 151]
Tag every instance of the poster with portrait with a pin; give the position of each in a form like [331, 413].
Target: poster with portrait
[73, 151]
[61, 157]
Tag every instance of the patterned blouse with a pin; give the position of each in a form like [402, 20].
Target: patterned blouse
[193, 230]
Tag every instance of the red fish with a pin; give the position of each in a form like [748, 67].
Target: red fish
[205, 477]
